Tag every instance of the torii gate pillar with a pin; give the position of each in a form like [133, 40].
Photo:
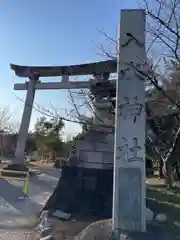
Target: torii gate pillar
[129, 151]
[26, 117]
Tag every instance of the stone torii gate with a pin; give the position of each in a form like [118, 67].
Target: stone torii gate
[129, 149]
[98, 69]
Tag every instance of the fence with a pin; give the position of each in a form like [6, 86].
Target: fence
[18, 175]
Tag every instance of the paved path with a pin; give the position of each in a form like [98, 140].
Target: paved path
[17, 214]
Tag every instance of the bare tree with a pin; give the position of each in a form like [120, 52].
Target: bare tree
[163, 61]
[163, 26]
[7, 123]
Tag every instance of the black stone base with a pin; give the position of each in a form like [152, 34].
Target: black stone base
[83, 192]
[15, 167]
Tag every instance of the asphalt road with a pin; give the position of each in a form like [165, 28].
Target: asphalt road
[16, 210]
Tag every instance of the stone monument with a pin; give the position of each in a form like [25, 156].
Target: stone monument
[129, 154]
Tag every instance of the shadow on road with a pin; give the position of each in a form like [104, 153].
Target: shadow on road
[13, 196]
[44, 185]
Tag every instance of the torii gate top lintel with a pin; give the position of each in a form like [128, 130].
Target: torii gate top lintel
[109, 66]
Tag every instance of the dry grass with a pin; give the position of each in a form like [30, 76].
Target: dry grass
[40, 164]
[163, 200]
[68, 230]
[3, 165]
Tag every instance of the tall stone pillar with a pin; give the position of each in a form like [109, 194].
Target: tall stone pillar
[24, 127]
[129, 157]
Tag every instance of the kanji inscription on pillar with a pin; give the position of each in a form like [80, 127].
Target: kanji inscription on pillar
[130, 153]
[131, 108]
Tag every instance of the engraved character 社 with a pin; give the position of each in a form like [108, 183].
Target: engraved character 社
[123, 151]
[131, 108]
[129, 154]
[134, 151]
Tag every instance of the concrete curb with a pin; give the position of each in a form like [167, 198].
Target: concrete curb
[46, 229]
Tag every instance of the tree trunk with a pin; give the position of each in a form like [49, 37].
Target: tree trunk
[161, 164]
[177, 170]
[172, 158]
[169, 173]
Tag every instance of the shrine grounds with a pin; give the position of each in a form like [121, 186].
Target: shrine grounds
[159, 199]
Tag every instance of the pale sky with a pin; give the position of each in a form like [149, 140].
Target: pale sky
[56, 32]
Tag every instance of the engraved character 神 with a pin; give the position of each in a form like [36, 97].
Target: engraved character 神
[133, 108]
